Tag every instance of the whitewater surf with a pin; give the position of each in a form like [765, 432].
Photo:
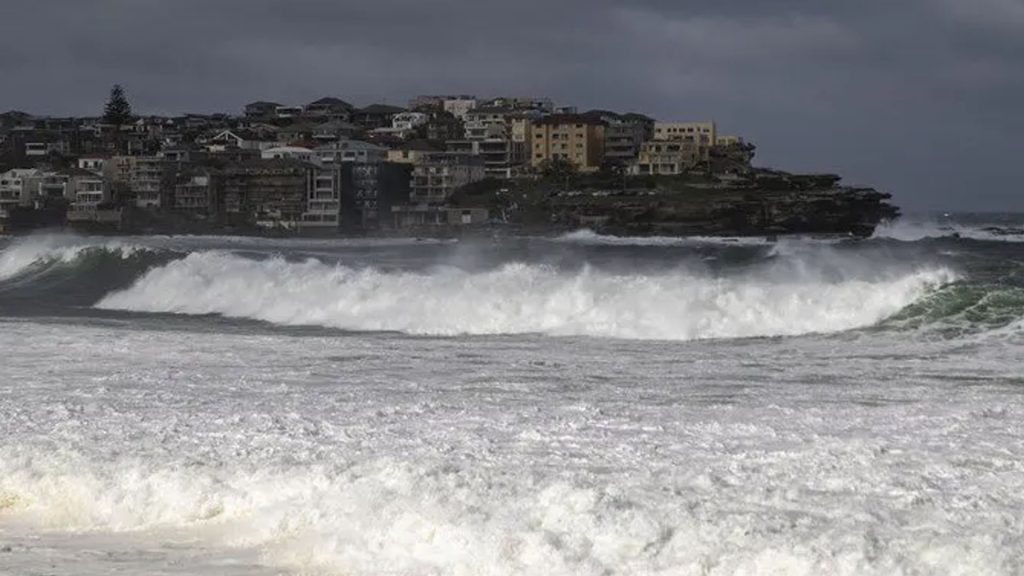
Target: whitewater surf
[572, 405]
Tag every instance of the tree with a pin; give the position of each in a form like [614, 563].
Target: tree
[557, 168]
[118, 111]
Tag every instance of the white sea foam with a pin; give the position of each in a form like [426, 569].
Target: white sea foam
[524, 298]
[385, 456]
[24, 253]
[590, 238]
[908, 230]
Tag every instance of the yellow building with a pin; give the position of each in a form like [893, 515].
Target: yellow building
[666, 157]
[701, 133]
[578, 139]
[728, 140]
[407, 156]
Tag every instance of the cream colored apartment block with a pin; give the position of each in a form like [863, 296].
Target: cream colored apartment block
[700, 133]
[571, 137]
[728, 140]
[666, 157]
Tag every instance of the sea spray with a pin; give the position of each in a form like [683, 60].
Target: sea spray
[527, 298]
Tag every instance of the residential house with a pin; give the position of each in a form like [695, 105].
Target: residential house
[335, 130]
[91, 202]
[54, 186]
[572, 137]
[14, 118]
[520, 104]
[298, 132]
[459, 106]
[18, 187]
[443, 126]
[287, 112]
[439, 103]
[701, 133]
[92, 163]
[239, 139]
[89, 191]
[185, 154]
[666, 158]
[330, 108]
[375, 116]
[350, 151]
[408, 121]
[42, 143]
[261, 109]
[290, 153]
[411, 152]
[487, 122]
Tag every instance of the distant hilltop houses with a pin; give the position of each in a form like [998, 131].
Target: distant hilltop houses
[325, 167]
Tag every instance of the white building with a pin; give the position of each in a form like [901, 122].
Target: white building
[408, 120]
[459, 106]
[323, 204]
[288, 111]
[18, 187]
[351, 151]
[89, 192]
[290, 153]
[92, 164]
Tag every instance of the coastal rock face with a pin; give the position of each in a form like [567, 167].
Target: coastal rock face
[766, 203]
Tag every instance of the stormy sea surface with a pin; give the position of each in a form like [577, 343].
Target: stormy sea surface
[580, 405]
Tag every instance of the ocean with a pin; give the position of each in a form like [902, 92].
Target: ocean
[579, 405]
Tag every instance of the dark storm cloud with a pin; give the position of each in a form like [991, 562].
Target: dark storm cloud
[920, 97]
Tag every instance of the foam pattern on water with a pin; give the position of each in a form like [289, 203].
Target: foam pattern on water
[384, 455]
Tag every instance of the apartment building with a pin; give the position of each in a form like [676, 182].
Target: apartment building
[576, 138]
[266, 193]
[701, 133]
[437, 175]
[666, 158]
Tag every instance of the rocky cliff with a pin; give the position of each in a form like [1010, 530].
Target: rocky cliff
[756, 203]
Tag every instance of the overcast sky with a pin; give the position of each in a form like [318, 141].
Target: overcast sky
[922, 98]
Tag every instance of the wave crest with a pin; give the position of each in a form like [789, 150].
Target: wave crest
[25, 254]
[523, 298]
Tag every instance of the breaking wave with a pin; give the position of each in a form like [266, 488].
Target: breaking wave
[34, 253]
[525, 298]
[394, 517]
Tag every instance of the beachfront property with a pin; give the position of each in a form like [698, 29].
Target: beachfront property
[574, 138]
[329, 165]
